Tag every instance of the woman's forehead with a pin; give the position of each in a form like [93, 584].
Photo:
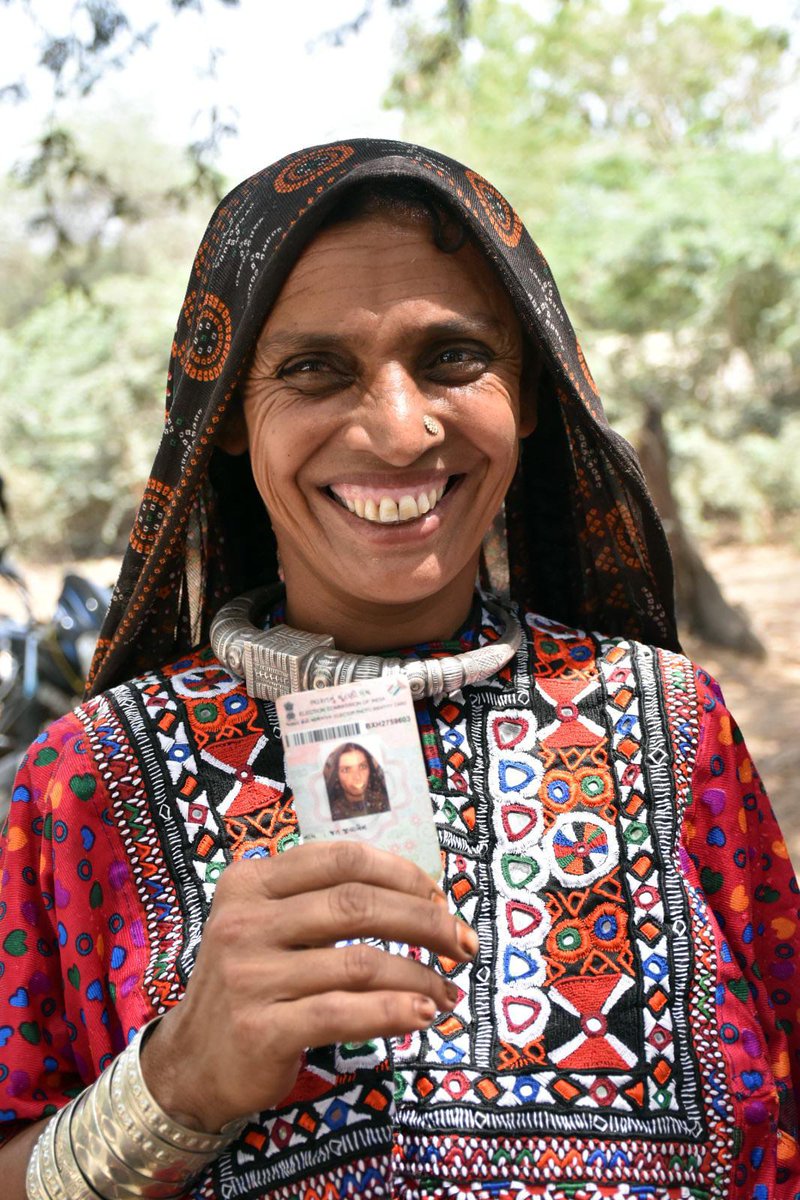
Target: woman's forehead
[378, 261]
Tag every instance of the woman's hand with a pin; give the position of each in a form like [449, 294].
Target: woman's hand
[269, 981]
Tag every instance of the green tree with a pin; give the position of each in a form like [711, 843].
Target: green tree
[635, 139]
[99, 38]
[83, 355]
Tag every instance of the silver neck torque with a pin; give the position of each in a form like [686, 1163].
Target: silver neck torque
[277, 661]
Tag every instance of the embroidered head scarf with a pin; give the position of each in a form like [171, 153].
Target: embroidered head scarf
[585, 545]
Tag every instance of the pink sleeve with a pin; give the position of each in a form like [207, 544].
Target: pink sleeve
[58, 916]
[743, 868]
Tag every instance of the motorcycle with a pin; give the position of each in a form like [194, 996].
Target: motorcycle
[43, 665]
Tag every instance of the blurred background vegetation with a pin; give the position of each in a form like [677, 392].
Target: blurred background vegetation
[647, 143]
[635, 138]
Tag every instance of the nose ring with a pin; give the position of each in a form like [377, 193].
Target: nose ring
[432, 426]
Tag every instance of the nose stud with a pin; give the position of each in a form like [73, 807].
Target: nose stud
[432, 426]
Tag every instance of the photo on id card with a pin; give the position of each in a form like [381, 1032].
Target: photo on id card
[355, 766]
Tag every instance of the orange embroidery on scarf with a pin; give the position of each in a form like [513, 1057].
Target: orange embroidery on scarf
[202, 354]
[308, 166]
[155, 502]
[502, 218]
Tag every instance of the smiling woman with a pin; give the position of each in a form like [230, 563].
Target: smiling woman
[371, 370]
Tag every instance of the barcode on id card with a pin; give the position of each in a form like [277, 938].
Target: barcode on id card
[332, 733]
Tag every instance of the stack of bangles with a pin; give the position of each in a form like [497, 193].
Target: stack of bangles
[115, 1142]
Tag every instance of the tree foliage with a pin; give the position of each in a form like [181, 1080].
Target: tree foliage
[635, 138]
[83, 351]
[100, 38]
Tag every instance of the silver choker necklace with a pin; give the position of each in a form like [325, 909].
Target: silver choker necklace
[277, 661]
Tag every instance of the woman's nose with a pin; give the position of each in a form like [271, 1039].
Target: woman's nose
[392, 417]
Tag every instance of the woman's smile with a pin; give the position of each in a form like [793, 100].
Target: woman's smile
[387, 504]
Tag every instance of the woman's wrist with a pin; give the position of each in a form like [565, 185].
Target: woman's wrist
[185, 1100]
[116, 1139]
[196, 1133]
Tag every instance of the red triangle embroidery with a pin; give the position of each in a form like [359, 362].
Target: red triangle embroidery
[234, 753]
[518, 829]
[253, 795]
[508, 731]
[520, 1002]
[522, 918]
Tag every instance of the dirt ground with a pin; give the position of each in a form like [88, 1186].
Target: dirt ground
[764, 696]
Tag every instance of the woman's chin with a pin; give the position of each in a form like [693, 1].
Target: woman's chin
[372, 602]
[406, 584]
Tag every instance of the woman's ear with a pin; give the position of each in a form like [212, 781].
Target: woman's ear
[232, 436]
[529, 382]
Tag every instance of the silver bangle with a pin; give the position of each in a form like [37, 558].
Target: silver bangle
[48, 1166]
[130, 1140]
[73, 1178]
[34, 1185]
[46, 1178]
[115, 1175]
[115, 1142]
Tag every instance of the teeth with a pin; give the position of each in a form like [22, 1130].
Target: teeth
[387, 511]
[407, 508]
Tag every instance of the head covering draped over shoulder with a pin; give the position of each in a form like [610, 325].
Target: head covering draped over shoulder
[585, 545]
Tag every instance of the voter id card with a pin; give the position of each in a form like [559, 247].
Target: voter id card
[355, 766]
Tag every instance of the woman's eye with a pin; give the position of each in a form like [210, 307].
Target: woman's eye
[460, 362]
[304, 366]
[314, 375]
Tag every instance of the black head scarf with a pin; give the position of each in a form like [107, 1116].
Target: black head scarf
[585, 545]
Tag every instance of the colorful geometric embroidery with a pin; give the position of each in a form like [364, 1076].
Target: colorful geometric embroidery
[575, 830]
[585, 1054]
[120, 771]
[555, 806]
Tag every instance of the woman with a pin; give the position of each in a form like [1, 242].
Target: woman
[355, 783]
[599, 999]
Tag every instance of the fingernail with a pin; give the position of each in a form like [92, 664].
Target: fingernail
[438, 897]
[451, 991]
[467, 939]
[425, 1009]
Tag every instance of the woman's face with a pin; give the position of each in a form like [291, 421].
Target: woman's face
[354, 774]
[374, 329]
